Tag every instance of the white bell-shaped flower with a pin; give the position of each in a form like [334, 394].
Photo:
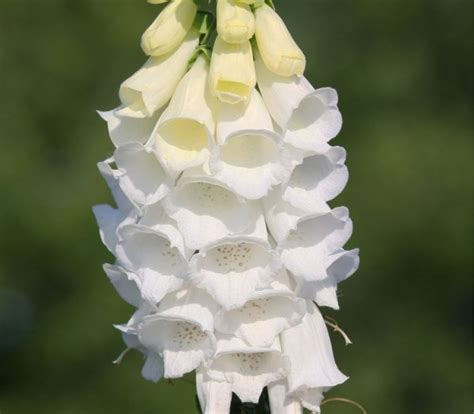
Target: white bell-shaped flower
[305, 241]
[232, 73]
[235, 22]
[153, 368]
[315, 371]
[125, 129]
[341, 265]
[264, 316]
[160, 264]
[250, 157]
[248, 369]
[152, 86]
[140, 174]
[277, 47]
[214, 396]
[320, 177]
[170, 27]
[206, 210]
[181, 331]
[184, 133]
[309, 118]
[232, 268]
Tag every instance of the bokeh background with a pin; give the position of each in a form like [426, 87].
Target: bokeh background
[403, 70]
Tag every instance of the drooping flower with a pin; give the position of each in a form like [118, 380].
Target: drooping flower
[232, 268]
[152, 86]
[248, 369]
[311, 373]
[250, 157]
[309, 118]
[184, 133]
[181, 331]
[206, 210]
[267, 313]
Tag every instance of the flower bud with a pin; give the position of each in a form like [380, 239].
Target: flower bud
[156, 1]
[235, 22]
[246, 1]
[170, 28]
[152, 86]
[279, 51]
[232, 74]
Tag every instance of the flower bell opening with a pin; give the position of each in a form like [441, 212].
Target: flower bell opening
[224, 240]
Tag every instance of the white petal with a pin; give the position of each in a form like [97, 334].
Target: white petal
[151, 87]
[160, 267]
[262, 318]
[310, 353]
[309, 118]
[125, 283]
[184, 133]
[214, 397]
[140, 174]
[192, 305]
[124, 130]
[305, 252]
[250, 157]
[343, 264]
[282, 217]
[280, 402]
[183, 344]
[110, 176]
[108, 219]
[153, 369]
[206, 210]
[233, 268]
[319, 178]
[155, 218]
[248, 369]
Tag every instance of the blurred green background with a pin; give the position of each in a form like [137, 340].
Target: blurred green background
[403, 70]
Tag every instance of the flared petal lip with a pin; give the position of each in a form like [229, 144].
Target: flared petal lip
[170, 317]
[340, 213]
[239, 346]
[233, 239]
[274, 136]
[132, 229]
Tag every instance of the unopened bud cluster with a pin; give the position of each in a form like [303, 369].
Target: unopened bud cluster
[223, 237]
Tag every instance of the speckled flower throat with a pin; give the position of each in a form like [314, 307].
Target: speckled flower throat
[224, 241]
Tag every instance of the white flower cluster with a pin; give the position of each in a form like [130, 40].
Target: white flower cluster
[223, 238]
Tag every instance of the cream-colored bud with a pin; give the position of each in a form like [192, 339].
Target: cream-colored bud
[169, 28]
[152, 86]
[232, 74]
[279, 51]
[156, 1]
[235, 22]
[246, 1]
